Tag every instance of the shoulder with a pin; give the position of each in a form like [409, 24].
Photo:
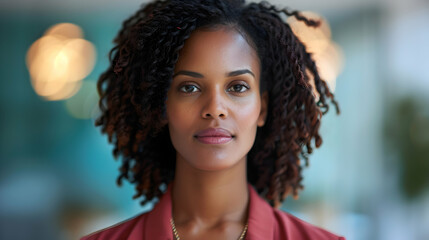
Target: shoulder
[119, 231]
[295, 228]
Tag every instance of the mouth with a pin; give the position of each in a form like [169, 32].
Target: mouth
[214, 136]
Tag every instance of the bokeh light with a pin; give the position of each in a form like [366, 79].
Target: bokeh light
[67, 30]
[330, 63]
[316, 39]
[326, 53]
[59, 60]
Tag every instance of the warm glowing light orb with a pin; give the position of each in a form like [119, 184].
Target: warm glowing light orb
[59, 60]
[316, 39]
[327, 55]
[68, 30]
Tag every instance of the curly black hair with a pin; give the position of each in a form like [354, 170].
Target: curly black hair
[133, 92]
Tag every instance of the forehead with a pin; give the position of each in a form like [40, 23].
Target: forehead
[222, 49]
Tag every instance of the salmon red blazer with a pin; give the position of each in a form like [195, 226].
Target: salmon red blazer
[265, 223]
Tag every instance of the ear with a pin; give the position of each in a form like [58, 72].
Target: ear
[264, 109]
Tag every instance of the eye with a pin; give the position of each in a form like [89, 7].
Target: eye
[239, 88]
[188, 88]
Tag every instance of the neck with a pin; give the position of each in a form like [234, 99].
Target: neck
[210, 197]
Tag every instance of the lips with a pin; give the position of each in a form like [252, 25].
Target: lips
[214, 136]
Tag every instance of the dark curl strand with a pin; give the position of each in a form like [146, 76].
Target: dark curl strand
[133, 92]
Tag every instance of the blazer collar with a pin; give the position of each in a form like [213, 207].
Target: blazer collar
[157, 225]
[261, 218]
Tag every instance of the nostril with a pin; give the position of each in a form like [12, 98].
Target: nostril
[209, 115]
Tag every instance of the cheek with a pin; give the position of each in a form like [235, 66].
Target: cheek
[180, 121]
[247, 115]
[173, 114]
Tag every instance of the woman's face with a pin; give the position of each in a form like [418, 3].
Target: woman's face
[213, 104]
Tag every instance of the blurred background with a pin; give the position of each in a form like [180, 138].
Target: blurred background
[369, 180]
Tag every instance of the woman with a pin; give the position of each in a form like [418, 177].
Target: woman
[209, 104]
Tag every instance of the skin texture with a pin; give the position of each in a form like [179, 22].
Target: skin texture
[210, 195]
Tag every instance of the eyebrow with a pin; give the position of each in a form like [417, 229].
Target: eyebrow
[199, 75]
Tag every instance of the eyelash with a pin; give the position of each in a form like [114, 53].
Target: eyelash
[243, 85]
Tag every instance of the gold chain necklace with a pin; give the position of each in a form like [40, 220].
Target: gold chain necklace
[176, 234]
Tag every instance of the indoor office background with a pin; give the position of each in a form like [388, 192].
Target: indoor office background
[367, 181]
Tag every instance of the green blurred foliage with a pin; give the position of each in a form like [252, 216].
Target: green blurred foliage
[407, 134]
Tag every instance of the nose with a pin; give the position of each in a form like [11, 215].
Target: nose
[214, 106]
